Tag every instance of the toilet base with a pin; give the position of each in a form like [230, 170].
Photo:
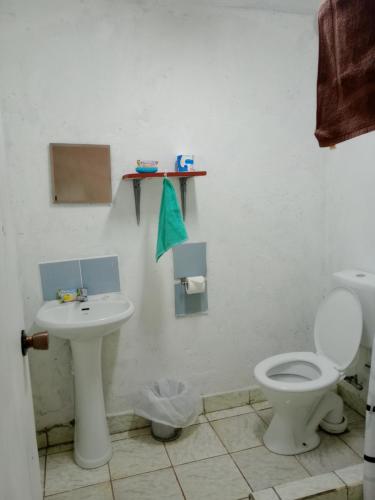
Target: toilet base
[282, 437]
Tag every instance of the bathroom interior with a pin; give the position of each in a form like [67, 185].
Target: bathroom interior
[240, 276]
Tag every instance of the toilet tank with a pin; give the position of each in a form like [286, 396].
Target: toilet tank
[363, 284]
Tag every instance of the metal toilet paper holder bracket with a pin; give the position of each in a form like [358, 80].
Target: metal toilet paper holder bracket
[184, 283]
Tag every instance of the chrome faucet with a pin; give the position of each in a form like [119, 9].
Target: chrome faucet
[81, 295]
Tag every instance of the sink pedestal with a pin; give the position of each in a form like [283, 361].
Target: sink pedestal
[92, 444]
[85, 324]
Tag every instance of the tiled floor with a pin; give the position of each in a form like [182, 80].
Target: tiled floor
[219, 458]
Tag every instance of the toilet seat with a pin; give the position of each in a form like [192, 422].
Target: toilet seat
[338, 327]
[317, 371]
[337, 335]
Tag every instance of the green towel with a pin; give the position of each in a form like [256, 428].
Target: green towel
[172, 229]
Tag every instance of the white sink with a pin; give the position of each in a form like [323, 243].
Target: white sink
[85, 324]
[98, 316]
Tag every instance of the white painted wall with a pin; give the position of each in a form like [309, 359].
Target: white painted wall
[235, 87]
[350, 241]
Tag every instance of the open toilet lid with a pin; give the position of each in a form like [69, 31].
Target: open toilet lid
[338, 327]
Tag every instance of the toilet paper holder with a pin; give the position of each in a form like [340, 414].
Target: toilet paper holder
[185, 283]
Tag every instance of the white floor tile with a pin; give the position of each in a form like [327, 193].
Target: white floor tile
[241, 432]
[137, 455]
[42, 461]
[266, 415]
[196, 442]
[141, 467]
[331, 454]
[353, 478]
[263, 405]
[351, 475]
[157, 485]
[201, 419]
[62, 474]
[267, 494]
[263, 469]
[307, 488]
[102, 491]
[212, 479]
[355, 437]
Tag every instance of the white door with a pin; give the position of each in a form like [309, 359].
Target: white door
[19, 462]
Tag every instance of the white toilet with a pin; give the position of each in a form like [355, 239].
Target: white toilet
[298, 383]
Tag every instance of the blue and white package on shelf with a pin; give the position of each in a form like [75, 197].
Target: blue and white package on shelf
[184, 163]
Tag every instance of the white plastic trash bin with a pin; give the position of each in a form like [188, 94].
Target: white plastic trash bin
[170, 405]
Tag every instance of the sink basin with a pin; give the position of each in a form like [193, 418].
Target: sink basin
[99, 316]
[85, 324]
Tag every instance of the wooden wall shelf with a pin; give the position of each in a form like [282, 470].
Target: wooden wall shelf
[136, 178]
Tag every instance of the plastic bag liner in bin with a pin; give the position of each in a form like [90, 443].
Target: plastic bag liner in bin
[170, 405]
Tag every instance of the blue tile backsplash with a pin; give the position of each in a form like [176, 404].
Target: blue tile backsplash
[189, 259]
[189, 304]
[98, 275]
[55, 275]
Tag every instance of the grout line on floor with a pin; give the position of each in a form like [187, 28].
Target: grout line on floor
[302, 465]
[345, 443]
[47, 497]
[257, 412]
[346, 486]
[229, 453]
[204, 406]
[278, 496]
[174, 472]
[360, 455]
[295, 456]
[353, 409]
[110, 480]
[230, 416]
[45, 475]
[343, 482]
[201, 459]
[138, 474]
[176, 465]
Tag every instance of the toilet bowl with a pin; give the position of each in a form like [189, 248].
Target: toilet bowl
[298, 383]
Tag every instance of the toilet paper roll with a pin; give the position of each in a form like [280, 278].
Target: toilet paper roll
[195, 284]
